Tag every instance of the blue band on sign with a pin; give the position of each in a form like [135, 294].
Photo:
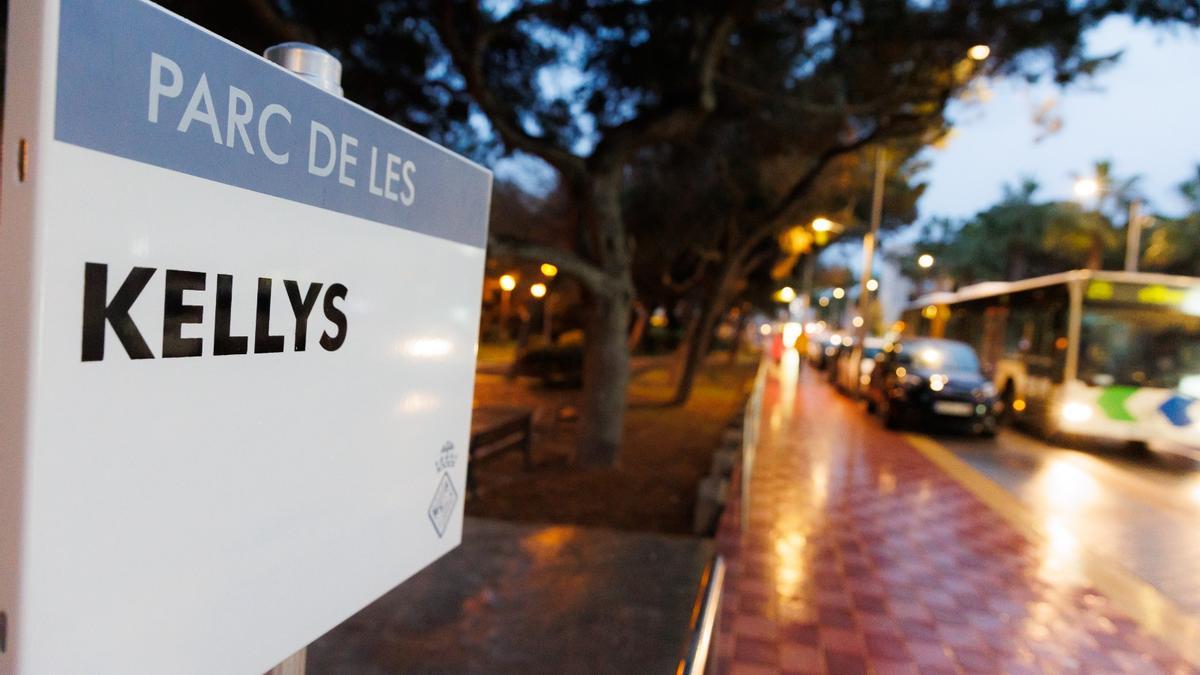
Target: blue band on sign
[138, 82]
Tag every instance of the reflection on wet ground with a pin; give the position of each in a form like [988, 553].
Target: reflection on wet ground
[524, 599]
[1140, 511]
[862, 556]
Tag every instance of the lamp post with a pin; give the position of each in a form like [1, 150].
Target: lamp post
[864, 296]
[1094, 188]
[822, 229]
[1133, 236]
[507, 283]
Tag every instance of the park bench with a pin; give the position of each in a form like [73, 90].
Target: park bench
[495, 431]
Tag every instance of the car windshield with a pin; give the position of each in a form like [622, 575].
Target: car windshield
[1138, 347]
[943, 356]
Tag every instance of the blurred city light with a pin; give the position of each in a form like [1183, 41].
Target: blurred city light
[508, 282]
[549, 270]
[979, 52]
[857, 321]
[538, 290]
[764, 329]
[1076, 412]
[839, 293]
[786, 294]
[925, 261]
[872, 285]
[1086, 188]
[791, 333]
[822, 225]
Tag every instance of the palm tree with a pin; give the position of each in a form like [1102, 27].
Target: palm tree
[1086, 236]
[1174, 245]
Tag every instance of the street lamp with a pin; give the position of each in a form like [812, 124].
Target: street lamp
[507, 283]
[538, 290]
[1087, 188]
[822, 225]
[979, 52]
[925, 261]
[549, 270]
[786, 294]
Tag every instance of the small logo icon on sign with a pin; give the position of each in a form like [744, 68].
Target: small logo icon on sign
[442, 506]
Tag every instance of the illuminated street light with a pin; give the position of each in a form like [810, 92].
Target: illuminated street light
[538, 290]
[786, 294]
[1086, 188]
[822, 225]
[925, 261]
[857, 321]
[872, 285]
[824, 301]
[839, 293]
[508, 282]
[549, 271]
[979, 52]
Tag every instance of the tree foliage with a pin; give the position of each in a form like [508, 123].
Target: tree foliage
[587, 87]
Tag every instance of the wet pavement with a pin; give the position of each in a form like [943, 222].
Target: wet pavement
[527, 599]
[861, 555]
[1141, 512]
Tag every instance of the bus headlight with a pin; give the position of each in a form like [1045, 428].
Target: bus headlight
[1075, 412]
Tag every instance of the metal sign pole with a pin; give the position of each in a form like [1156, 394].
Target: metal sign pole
[315, 65]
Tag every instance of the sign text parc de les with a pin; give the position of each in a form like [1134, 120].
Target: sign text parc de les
[390, 177]
[238, 351]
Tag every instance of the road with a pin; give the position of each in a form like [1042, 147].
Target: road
[1140, 512]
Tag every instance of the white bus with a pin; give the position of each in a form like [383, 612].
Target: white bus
[1112, 355]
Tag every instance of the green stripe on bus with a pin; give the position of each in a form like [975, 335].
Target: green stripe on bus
[1112, 402]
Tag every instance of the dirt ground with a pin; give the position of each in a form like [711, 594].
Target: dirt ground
[666, 451]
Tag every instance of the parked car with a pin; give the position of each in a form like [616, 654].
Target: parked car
[933, 382]
[854, 366]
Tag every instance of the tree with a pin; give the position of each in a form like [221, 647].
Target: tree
[1174, 243]
[586, 87]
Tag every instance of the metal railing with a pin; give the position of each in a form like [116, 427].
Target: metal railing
[703, 628]
[750, 425]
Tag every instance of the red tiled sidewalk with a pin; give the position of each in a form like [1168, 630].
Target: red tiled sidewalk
[861, 556]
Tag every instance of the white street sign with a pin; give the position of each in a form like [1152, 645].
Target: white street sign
[237, 338]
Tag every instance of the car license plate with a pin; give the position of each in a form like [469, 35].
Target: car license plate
[955, 408]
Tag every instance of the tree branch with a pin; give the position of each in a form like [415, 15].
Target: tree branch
[470, 63]
[671, 121]
[591, 276]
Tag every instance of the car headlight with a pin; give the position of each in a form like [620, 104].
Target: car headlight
[937, 381]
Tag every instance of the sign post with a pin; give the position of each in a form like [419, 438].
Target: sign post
[237, 339]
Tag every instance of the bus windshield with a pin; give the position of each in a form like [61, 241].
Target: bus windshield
[1138, 346]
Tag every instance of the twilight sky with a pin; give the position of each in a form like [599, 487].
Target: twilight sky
[1142, 113]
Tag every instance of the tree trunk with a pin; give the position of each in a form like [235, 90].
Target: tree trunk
[605, 380]
[736, 347]
[697, 347]
[1016, 263]
[1096, 255]
[605, 349]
